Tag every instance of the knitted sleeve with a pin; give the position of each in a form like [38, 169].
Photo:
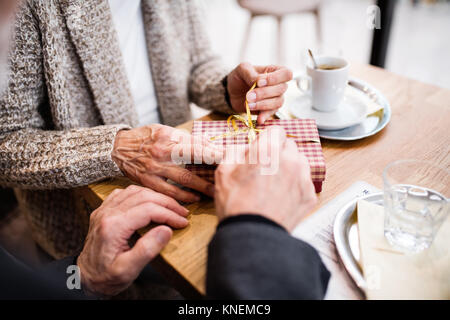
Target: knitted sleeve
[32, 153]
[205, 85]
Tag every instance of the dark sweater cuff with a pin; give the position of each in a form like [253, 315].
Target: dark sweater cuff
[225, 86]
[254, 218]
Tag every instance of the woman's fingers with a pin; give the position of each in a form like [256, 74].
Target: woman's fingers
[265, 115]
[188, 179]
[259, 94]
[267, 68]
[247, 72]
[159, 185]
[278, 76]
[267, 104]
[268, 96]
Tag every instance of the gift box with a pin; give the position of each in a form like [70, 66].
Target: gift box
[303, 131]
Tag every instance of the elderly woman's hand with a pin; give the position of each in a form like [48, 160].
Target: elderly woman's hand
[107, 264]
[267, 97]
[150, 155]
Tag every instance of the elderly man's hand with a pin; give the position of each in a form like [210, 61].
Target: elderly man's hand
[107, 264]
[149, 155]
[267, 97]
[277, 186]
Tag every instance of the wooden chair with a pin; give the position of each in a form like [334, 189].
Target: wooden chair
[279, 9]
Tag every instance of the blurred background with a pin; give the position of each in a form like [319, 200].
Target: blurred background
[418, 47]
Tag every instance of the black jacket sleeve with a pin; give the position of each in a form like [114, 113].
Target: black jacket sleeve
[251, 257]
[18, 281]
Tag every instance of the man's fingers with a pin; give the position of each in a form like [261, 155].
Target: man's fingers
[148, 195]
[141, 215]
[159, 185]
[273, 78]
[110, 199]
[247, 72]
[119, 195]
[305, 179]
[188, 179]
[303, 170]
[129, 264]
[290, 151]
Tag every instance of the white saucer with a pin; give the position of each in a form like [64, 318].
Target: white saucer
[351, 111]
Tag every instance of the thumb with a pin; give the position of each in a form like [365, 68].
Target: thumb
[145, 249]
[248, 73]
[265, 115]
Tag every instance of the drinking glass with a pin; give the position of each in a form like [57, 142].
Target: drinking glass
[416, 203]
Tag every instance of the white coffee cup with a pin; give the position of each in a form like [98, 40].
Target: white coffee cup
[326, 87]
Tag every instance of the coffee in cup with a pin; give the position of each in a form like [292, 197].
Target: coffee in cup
[327, 83]
[327, 67]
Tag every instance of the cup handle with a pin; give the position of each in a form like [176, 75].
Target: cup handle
[301, 80]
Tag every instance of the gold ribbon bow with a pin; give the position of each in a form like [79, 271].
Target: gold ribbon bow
[250, 127]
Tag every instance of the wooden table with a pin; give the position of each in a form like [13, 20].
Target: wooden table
[419, 129]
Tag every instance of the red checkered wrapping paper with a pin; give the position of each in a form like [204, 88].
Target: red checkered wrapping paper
[302, 129]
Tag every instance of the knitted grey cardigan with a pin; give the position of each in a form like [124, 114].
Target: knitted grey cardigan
[68, 96]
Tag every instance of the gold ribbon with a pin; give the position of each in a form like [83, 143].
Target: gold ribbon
[250, 127]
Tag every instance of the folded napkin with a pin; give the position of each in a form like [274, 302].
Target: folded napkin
[302, 131]
[391, 274]
[373, 108]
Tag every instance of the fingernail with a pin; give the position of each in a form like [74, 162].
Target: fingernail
[163, 236]
[211, 190]
[197, 198]
[262, 82]
[251, 96]
[186, 210]
[252, 105]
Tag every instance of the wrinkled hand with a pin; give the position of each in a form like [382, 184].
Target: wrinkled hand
[7, 8]
[149, 155]
[267, 97]
[107, 264]
[284, 194]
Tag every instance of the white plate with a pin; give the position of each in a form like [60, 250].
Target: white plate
[351, 111]
[372, 124]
